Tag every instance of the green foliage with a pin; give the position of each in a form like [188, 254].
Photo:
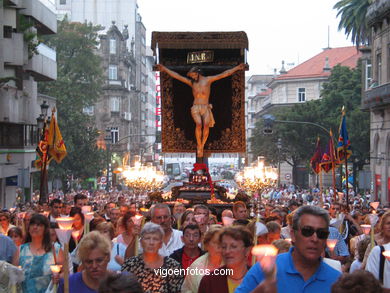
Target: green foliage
[353, 19]
[29, 36]
[298, 140]
[78, 85]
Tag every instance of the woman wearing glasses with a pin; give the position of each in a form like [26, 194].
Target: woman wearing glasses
[153, 271]
[302, 268]
[94, 253]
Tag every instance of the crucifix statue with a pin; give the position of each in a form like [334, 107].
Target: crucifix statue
[201, 110]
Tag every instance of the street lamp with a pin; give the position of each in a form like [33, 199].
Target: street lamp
[108, 140]
[279, 146]
[42, 122]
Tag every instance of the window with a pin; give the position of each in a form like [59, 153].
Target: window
[112, 46]
[379, 69]
[301, 94]
[368, 74]
[7, 31]
[114, 104]
[114, 134]
[89, 110]
[62, 2]
[388, 63]
[112, 72]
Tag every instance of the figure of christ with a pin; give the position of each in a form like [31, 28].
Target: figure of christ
[201, 109]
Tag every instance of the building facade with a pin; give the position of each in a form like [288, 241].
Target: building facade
[129, 84]
[298, 85]
[376, 98]
[23, 63]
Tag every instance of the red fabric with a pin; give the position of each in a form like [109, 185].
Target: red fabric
[186, 261]
[197, 167]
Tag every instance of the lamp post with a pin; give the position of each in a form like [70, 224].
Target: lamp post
[108, 140]
[42, 122]
[279, 146]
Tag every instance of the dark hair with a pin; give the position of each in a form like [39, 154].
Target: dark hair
[120, 282]
[41, 220]
[356, 282]
[237, 233]
[126, 217]
[94, 222]
[240, 222]
[56, 200]
[79, 196]
[76, 211]
[191, 227]
[15, 230]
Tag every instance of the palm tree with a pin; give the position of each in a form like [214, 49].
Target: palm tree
[353, 19]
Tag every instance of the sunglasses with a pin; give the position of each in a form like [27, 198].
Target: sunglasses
[322, 233]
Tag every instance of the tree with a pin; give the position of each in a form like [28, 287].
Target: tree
[353, 19]
[79, 83]
[298, 140]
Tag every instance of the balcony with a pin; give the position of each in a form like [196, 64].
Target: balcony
[43, 13]
[43, 66]
[14, 135]
[376, 97]
[14, 50]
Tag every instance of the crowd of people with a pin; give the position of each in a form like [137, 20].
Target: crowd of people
[197, 248]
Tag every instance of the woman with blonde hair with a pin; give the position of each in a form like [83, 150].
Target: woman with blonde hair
[94, 252]
[210, 260]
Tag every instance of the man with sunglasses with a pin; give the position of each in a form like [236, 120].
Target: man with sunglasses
[302, 268]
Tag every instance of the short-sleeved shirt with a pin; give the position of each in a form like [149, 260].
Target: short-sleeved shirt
[7, 248]
[76, 285]
[289, 279]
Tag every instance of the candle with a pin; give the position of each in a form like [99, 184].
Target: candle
[266, 256]
[138, 220]
[386, 254]
[374, 205]
[331, 243]
[64, 233]
[55, 269]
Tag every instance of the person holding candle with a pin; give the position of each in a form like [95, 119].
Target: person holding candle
[36, 255]
[377, 264]
[209, 261]
[236, 243]
[78, 227]
[302, 268]
[147, 265]
[55, 210]
[94, 253]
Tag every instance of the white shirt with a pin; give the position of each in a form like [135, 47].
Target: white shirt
[173, 244]
[373, 265]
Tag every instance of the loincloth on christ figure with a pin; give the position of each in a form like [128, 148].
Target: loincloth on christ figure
[199, 109]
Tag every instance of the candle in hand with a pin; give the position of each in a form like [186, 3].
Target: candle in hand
[331, 243]
[266, 256]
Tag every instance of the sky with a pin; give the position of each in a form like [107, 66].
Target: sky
[289, 30]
